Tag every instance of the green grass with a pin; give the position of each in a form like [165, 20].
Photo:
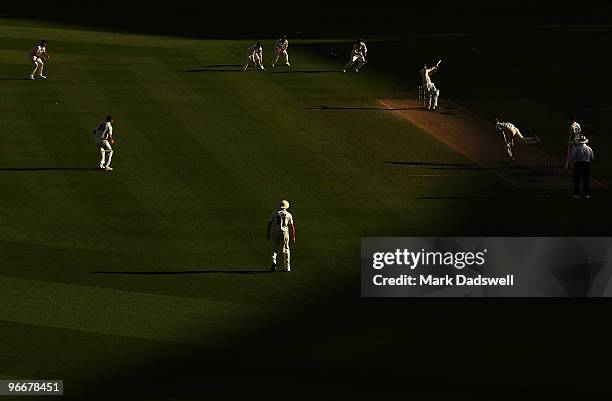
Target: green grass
[201, 160]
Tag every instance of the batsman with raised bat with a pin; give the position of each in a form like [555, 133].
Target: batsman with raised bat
[431, 92]
[37, 56]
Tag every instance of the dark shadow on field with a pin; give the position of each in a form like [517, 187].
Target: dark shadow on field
[430, 164]
[154, 273]
[357, 108]
[349, 348]
[14, 79]
[528, 170]
[214, 70]
[303, 72]
[221, 65]
[50, 169]
[503, 196]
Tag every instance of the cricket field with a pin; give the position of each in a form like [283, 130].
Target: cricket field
[152, 281]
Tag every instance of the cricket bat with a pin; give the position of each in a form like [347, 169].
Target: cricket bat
[438, 63]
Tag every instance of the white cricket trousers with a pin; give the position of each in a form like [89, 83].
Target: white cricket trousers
[106, 153]
[355, 58]
[280, 243]
[255, 59]
[37, 66]
[432, 96]
[284, 54]
[530, 140]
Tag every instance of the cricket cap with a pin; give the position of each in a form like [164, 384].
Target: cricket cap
[284, 204]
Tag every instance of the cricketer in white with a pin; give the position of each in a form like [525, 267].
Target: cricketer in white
[358, 54]
[279, 225]
[281, 47]
[510, 133]
[103, 136]
[254, 54]
[431, 91]
[38, 55]
[574, 133]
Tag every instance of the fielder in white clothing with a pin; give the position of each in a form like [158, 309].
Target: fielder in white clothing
[103, 135]
[510, 134]
[358, 55]
[279, 226]
[431, 92]
[281, 47]
[254, 55]
[37, 56]
[575, 130]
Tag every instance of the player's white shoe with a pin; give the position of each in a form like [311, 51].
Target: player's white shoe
[272, 65]
[31, 77]
[288, 65]
[343, 70]
[108, 168]
[288, 269]
[102, 166]
[42, 77]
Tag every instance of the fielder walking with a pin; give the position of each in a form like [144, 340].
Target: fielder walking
[254, 54]
[582, 156]
[574, 133]
[358, 55]
[281, 47]
[279, 226]
[103, 134]
[431, 92]
[37, 56]
[510, 134]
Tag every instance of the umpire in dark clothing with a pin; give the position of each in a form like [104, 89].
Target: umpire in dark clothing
[582, 156]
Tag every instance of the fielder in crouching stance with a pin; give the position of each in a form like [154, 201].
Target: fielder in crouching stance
[279, 225]
[358, 54]
[254, 55]
[281, 50]
[103, 135]
[38, 55]
[510, 134]
[431, 92]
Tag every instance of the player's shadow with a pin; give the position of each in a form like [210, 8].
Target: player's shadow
[304, 72]
[183, 272]
[13, 79]
[235, 69]
[358, 108]
[49, 169]
[221, 65]
[437, 166]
